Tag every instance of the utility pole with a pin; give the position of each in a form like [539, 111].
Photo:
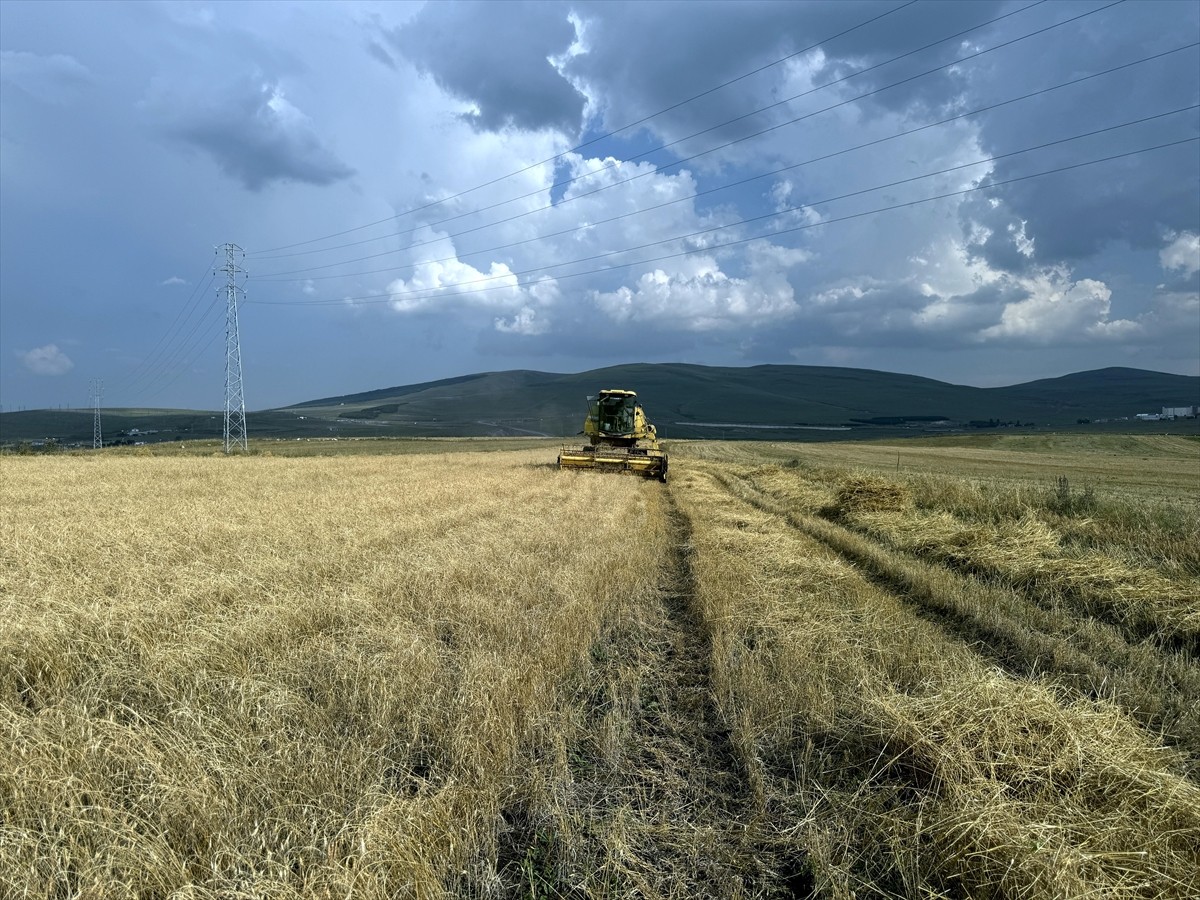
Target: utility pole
[235, 404]
[97, 437]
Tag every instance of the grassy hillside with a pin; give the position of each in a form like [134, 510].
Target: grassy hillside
[687, 400]
[684, 401]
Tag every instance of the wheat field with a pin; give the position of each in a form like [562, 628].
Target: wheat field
[795, 670]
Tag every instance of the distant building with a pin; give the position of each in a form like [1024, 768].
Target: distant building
[1148, 417]
[1178, 412]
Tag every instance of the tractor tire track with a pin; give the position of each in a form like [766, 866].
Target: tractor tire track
[662, 799]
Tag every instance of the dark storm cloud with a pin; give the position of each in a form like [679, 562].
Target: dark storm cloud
[643, 57]
[941, 34]
[1074, 215]
[877, 315]
[884, 316]
[256, 136]
[991, 229]
[495, 55]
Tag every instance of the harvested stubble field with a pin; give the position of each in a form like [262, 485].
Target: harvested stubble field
[795, 670]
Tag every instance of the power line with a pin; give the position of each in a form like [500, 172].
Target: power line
[637, 156]
[180, 350]
[743, 181]
[203, 326]
[198, 350]
[726, 145]
[136, 373]
[522, 279]
[427, 295]
[809, 205]
[171, 356]
[609, 134]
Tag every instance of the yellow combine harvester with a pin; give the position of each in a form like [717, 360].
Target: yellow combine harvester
[620, 437]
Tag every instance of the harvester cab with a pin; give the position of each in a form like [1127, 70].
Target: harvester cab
[613, 415]
[620, 438]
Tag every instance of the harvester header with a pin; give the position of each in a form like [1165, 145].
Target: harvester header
[620, 438]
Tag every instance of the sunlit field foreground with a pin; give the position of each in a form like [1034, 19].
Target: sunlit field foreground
[792, 671]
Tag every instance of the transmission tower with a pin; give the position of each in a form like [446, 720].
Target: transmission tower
[97, 387]
[235, 404]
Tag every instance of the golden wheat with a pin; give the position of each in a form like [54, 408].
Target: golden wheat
[394, 670]
[1159, 689]
[280, 677]
[897, 761]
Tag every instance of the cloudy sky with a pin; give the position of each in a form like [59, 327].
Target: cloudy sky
[983, 192]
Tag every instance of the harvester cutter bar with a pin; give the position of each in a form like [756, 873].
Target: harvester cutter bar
[633, 461]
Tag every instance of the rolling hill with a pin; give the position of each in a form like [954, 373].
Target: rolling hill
[684, 401]
[696, 401]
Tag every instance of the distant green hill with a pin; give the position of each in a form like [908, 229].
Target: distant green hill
[684, 401]
[696, 401]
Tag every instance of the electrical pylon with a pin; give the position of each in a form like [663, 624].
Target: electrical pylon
[235, 404]
[97, 436]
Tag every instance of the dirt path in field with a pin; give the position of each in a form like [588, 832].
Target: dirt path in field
[666, 805]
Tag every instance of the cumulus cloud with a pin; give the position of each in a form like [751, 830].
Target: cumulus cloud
[57, 78]
[1182, 253]
[965, 273]
[787, 200]
[526, 321]
[601, 212]
[443, 283]
[174, 279]
[47, 360]
[964, 304]
[1057, 308]
[256, 135]
[970, 303]
[698, 296]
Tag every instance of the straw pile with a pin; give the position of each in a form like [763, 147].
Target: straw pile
[1029, 554]
[861, 493]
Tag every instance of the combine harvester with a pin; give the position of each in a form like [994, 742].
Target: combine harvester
[620, 437]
